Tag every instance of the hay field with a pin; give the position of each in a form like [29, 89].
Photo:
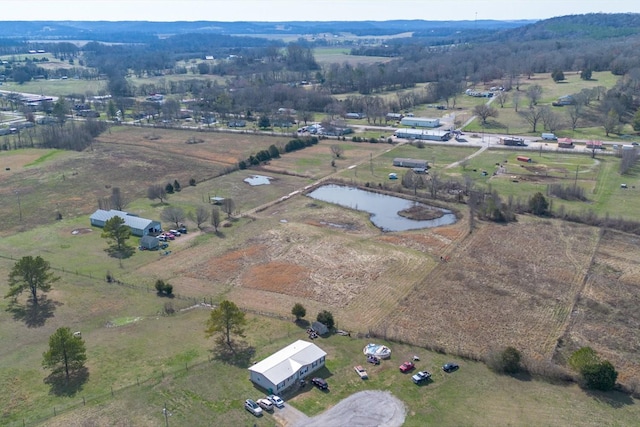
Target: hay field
[504, 285]
[606, 315]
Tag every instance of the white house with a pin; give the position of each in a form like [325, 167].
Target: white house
[282, 369]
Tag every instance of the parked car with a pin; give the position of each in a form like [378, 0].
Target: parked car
[450, 367]
[169, 236]
[175, 232]
[421, 377]
[183, 229]
[162, 238]
[265, 404]
[407, 366]
[320, 383]
[361, 371]
[374, 360]
[253, 407]
[276, 400]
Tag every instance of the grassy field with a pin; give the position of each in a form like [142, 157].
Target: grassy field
[545, 286]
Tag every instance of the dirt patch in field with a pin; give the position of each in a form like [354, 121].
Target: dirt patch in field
[228, 265]
[80, 231]
[282, 278]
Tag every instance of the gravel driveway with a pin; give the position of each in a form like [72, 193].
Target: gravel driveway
[363, 409]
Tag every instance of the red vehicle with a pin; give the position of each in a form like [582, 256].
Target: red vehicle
[407, 366]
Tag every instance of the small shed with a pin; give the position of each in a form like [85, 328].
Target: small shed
[320, 328]
[217, 200]
[150, 243]
[523, 159]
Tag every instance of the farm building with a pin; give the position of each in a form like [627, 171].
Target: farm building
[282, 369]
[139, 226]
[565, 143]
[149, 243]
[420, 122]
[394, 116]
[431, 135]
[355, 116]
[410, 163]
[320, 328]
[523, 159]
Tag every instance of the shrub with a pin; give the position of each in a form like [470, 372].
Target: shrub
[326, 318]
[163, 288]
[600, 376]
[511, 358]
[299, 311]
[506, 361]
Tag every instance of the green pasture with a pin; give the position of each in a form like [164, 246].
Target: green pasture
[52, 87]
[148, 361]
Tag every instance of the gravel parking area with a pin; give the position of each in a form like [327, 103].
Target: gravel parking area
[363, 409]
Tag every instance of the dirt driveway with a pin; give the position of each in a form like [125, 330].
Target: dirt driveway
[365, 409]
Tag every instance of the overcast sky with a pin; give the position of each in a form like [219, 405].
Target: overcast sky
[301, 10]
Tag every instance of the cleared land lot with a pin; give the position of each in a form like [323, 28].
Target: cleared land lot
[526, 284]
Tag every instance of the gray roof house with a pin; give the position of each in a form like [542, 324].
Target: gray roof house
[139, 226]
[285, 367]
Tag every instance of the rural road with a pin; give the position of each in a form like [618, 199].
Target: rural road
[368, 408]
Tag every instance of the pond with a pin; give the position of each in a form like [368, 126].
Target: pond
[383, 209]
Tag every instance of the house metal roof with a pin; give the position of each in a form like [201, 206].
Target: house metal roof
[129, 219]
[284, 363]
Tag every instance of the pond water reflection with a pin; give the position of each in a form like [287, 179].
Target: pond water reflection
[383, 209]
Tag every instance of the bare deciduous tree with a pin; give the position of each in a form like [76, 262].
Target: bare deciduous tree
[117, 199]
[157, 191]
[228, 206]
[173, 214]
[534, 93]
[550, 120]
[485, 111]
[215, 218]
[532, 116]
[502, 98]
[337, 150]
[200, 216]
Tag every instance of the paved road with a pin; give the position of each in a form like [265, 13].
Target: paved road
[368, 408]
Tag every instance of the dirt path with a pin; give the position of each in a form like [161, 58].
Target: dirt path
[471, 156]
[366, 408]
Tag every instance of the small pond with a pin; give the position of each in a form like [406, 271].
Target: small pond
[383, 209]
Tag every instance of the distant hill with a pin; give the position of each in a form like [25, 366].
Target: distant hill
[590, 26]
[115, 31]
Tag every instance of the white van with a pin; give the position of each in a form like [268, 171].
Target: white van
[549, 137]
